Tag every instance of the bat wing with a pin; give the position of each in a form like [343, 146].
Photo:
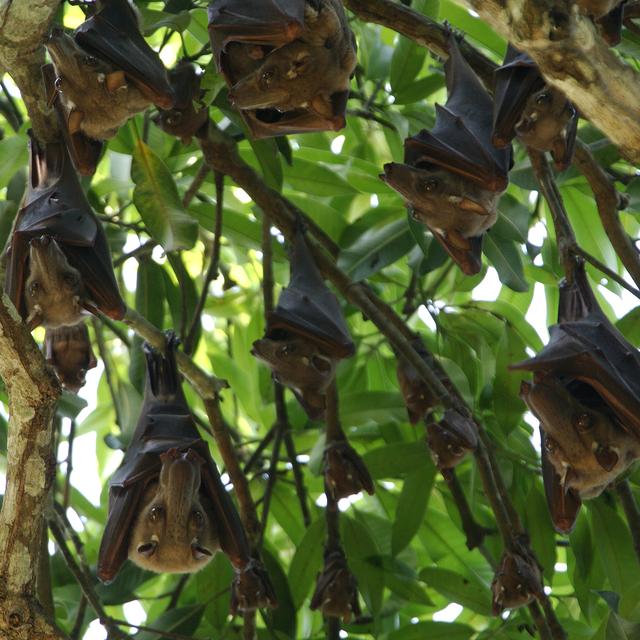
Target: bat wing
[515, 81]
[233, 540]
[563, 505]
[563, 152]
[113, 35]
[460, 141]
[85, 152]
[307, 306]
[469, 260]
[269, 22]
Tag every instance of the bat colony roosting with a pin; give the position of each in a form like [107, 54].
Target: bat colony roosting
[288, 65]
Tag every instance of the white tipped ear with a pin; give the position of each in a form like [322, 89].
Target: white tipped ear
[199, 553]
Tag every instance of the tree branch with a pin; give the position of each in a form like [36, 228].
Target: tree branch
[574, 58]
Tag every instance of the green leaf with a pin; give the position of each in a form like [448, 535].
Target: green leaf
[157, 200]
[180, 620]
[412, 505]
[506, 386]
[506, 259]
[375, 249]
[316, 179]
[433, 631]
[467, 590]
[215, 580]
[406, 62]
[306, 562]
[396, 460]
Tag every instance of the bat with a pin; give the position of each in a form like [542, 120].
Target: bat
[336, 592]
[417, 396]
[586, 446]
[306, 334]
[186, 119]
[58, 261]
[517, 582]
[288, 63]
[526, 106]
[168, 509]
[585, 395]
[452, 176]
[105, 72]
[345, 472]
[451, 439]
[68, 351]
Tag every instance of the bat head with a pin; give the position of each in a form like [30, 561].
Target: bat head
[451, 439]
[53, 289]
[583, 441]
[544, 118]
[173, 531]
[68, 351]
[443, 200]
[300, 364]
[77, 70]
[344, 471]
[296, 75]
[336, 593]
[516, 583]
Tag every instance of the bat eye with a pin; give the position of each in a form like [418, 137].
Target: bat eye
[583, 422]
[199, 553]
[543, 98]
[70, 279]
[58, 83]
[156, 514]
[550, 444]
[431, 184]
[34, 288]
[288, 349]
[321, 364]
[415, 215]
[90, 61]
[267, 76]
[198, 519]
[147, 549]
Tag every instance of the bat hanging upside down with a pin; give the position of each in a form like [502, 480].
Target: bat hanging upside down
[59, 266]
[306, 335]
[104, 73]
[452, 176]
[288, 65]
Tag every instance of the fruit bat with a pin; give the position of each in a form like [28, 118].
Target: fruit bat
[451, 439]
[417, 396]
[587, 396]
[526, 106]
[68, 351]
[288, 63]
[168, 509]
[306, 334]
[452, 176]
[336, 592]
[58, 261]
[517, 582]
[105, 72]
[345, 472]
[186, 119]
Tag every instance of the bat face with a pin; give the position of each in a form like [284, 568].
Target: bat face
[544, 118]
[450, 440]
[301, 365]
[53, 289]
[442, 200]
[288, 64]
[344, 471]
[587, 447]
[516, 583]
[68, 350]
[173, 532]
[96, 95]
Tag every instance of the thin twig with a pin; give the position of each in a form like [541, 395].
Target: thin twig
[143, 250]
[212, 271]
[67, 479]
[105, 357]
[198, 179]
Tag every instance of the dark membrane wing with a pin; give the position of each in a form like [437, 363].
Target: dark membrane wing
[515, 81]
[113, 35]
[269, 22]
[469, 260]
[308, 307]
[564, 506]
[562, 157]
